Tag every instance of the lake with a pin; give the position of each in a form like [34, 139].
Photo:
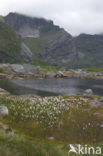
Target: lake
[52, 87]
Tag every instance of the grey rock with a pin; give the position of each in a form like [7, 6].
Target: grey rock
[51, 138]
[23, 69]
[3, 92]
[60, 74]
[16, 69]
[88, 92]
[31, 69]
[3, 111]
[51, 74]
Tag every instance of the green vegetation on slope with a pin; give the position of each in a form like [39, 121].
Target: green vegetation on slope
[1, 19]
[10, 44]
[34, 45]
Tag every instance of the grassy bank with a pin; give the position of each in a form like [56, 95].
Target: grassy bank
[94, 69]
[70, 120]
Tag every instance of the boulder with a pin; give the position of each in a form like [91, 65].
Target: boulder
[88, 93]
[3, 111]
[23, 69]
[3, 92]
[51, 74]
[31, 69]
[60, 74]
[51, 138]
[16, 69]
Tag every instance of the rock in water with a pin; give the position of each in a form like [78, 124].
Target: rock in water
[88, 92]
[3, 92]
[3, 110]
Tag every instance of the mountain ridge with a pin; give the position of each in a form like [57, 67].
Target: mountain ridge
[48, 44]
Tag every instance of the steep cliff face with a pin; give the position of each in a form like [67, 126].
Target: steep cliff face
[50, 45]
[41, 42]
[89, 49]
[12, 47]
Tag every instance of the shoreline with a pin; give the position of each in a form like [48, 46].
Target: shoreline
[45, 75]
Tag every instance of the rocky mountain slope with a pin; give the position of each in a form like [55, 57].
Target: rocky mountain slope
[41, 42]
[90, 50]
[12, 47]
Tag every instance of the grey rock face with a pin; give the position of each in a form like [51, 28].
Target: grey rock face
[53, 45]
[26, 31]
[25, 53]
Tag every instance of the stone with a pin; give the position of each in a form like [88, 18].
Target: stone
[3, 92]
[60, 74]
[23, 69]
[31, 69]
[51, 138]
[16, 69]
[3, 111]
[88, 93]
[51, 74]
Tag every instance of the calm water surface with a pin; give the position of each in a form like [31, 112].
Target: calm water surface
[52, 87]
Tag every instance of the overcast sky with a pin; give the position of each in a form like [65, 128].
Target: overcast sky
[76, 16]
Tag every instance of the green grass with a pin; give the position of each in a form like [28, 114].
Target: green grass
[54, 117]
[49, 68]
[69, 122]
[34, 45]
[3, 69]
[94, 69]
[21, 146]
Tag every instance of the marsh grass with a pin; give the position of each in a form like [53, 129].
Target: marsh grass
[81, 126]
[20, 146]
[55, 116]
[40, 118]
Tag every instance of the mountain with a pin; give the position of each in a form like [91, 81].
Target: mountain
[90, 50]
[41, 42]
[12, 47]
[49, 44]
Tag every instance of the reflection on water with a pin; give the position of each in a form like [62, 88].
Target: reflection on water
[50, 87]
